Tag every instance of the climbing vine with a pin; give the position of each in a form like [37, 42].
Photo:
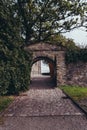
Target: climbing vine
[73, 53]
[73, 56]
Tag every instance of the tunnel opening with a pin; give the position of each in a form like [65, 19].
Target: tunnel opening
[43, 73]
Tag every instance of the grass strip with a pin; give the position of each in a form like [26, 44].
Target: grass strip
[5, 101]
[77, 93]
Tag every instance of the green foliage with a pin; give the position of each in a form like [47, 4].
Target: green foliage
[73, 52]
[83, 54]
[14, 71]
[73, 56]
[5, 101]
[62, 41]
[15, 63]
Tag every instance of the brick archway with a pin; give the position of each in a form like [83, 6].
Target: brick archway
[51, 64]
[54, 54]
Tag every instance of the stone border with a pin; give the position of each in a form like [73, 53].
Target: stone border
[75, 103]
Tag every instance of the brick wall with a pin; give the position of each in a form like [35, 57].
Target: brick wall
[72, 74]
[77, 74]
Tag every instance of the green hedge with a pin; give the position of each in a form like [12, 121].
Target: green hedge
[14, 70]
[73, 56]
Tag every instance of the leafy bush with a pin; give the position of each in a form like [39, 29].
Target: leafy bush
[5, 101]
[75, 55]
[83, 54]
[14, 70]
[73, 52]
[14, 61]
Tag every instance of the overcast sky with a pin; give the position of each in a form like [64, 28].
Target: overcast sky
[44, 68]
[78, 35]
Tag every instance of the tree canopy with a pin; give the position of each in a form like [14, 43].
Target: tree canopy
[36, 20]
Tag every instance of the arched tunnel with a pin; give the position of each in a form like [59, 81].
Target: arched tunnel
[40, 77]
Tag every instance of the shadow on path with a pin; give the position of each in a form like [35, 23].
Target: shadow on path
[42, 82]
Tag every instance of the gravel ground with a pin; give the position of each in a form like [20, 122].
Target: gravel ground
[83, 104]
[43, 108]
[45, 123]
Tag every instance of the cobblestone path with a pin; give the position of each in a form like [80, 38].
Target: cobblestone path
[43, 108]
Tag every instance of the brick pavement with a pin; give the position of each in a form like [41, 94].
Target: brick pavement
[43, 109]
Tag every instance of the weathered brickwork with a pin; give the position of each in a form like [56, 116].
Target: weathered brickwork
[72, 74]
[77, 74]
[55, 56]
[61, 68]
